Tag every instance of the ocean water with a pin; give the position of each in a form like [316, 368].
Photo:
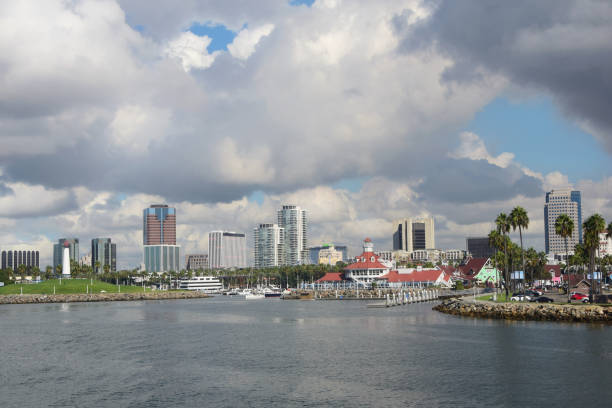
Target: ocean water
[229, 352]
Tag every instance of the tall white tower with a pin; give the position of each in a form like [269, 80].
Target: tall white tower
[294, 221]
[66, 260]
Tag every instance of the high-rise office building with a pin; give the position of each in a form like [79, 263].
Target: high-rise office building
[410, 234]
[162, 258]
[295, 224]
[58, 251]
[161, 254]
[159, 225]
[227, 249]
[269, 245]
[565, 201]
[196, 262]
[105, 253]
[479, 247]
[12, 259]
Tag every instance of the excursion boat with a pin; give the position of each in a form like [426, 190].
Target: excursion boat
[271, 292]
[254, 296]
[208, 284]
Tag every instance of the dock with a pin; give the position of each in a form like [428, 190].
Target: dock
[406, 297]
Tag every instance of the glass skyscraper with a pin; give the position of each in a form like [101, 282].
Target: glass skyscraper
[161, 254]
[104, 252]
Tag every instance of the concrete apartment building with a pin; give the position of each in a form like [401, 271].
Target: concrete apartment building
[196, 262]
[227, 249]
[11, 259]
[294, 221]
[411, 234]
[269, 242]
[563, 201]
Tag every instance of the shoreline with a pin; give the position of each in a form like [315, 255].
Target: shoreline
[527, 311]
[98, 297]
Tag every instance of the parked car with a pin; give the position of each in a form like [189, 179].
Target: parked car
[542, 299]
[579, 296]
[517, 297]
[533, 293]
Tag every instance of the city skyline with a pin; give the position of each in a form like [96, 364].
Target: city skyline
[459, 133]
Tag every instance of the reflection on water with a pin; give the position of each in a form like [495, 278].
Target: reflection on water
[231, 352]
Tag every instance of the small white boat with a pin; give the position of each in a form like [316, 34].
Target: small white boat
[254, 296]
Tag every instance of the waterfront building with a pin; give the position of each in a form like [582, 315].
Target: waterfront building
[313, 252]
[159, 225]
[104, 252]
[269, 241]
[605, 245]
[294, 222]
[368, 266]
[480, 270]
[329, 256]
[426, 255]
[385, 255]
[411, 234]
[196, 262]
[11, 259]
[453, 255]
[564, 201]
[478, 247]
[58, 251]
[162, 258]
[206, 284]
[227, 249]
[415, 277]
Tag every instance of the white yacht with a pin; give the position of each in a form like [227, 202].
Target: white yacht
[208, 284]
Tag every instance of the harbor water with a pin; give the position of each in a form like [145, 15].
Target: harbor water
[228, 352]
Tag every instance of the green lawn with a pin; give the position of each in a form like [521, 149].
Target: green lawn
[501, 297]
[68, 286]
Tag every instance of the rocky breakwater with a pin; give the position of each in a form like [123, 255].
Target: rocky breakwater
[527, 311]
[99, 297]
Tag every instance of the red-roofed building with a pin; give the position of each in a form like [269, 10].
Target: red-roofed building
[480, 270]
[555, 274]
[330, 277]
[368, 266]
[416, 277]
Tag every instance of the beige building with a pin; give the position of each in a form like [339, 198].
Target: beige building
[412, 234]
[329, 256]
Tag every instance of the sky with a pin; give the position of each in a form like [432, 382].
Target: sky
[360, 112]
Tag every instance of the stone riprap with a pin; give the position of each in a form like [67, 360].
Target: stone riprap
[527, 311]
[99, 297]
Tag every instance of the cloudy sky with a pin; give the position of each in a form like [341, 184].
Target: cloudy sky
[360, 111]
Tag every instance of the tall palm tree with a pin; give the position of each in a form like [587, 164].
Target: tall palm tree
[592, 227]
[503, 227]
[519, 219]
[496, 241]
[564, 226]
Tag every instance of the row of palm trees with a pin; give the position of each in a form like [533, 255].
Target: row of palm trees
[564, 226]
[500, 238]
[592, 227]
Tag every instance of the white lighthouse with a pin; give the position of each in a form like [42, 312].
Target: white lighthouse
[66, 260]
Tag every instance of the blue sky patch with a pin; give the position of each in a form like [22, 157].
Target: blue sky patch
[540, 137]
[301, 2]
[221, 36]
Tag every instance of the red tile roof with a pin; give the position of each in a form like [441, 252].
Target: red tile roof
[555, 268]
[364, 261]
[474, 265]
[425, 275]
[330, 277]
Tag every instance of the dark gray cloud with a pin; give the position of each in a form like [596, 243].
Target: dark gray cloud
[464, 181]
[561, 46]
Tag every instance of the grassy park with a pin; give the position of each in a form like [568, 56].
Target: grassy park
[68, 286]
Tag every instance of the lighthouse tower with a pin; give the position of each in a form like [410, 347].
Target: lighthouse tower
[66, 260]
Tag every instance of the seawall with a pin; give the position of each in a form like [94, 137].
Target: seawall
[527, 311]
[99, 297]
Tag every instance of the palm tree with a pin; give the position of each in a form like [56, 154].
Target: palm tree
[592, 227]
[564, 226]
[97, 266]
[496, 241]
[519, 219]
[503, 227]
